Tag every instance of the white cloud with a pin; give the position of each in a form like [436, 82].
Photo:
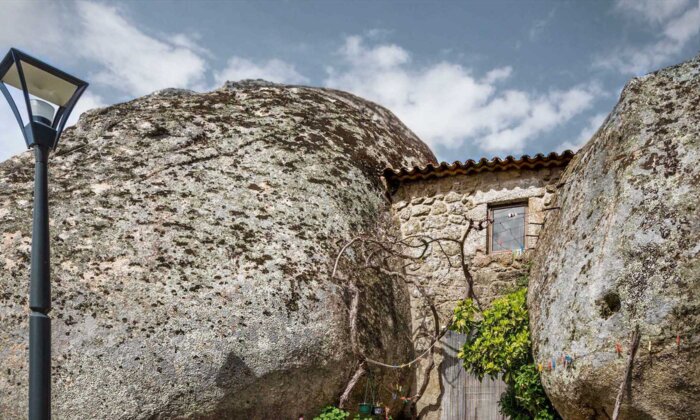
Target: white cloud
[34, 27]
[379, 57]
[685, 27]
[126, 57]
[540, 25]
[87, 102]
[378, 33]
[677, 27]
[274, 70]
[498, 74]
[653, 11]
[189, 42]
[131, 60]
[446, 105]
[588, 131]
[544, 114]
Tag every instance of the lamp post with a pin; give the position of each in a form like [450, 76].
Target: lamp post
[49, 96]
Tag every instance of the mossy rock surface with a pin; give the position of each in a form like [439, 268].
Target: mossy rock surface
[624, 251]
[193, 236]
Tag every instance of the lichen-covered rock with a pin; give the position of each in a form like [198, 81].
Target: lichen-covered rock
[623, 251]
[193, 237]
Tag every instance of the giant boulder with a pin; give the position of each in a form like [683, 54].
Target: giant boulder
[193, 237]
[623, 252]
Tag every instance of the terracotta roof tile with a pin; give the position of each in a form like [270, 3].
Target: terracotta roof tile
[395, 177]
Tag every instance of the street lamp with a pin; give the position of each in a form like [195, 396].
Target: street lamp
[49, 95]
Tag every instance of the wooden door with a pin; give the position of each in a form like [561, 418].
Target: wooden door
[465, 397]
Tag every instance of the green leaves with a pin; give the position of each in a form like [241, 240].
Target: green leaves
[499, 344]
[500, 341]
[463, 318]
[332, 413]
[528, 390]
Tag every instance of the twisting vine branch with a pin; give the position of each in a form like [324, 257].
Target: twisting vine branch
[353, 381]
[391, 256]
[628, 373]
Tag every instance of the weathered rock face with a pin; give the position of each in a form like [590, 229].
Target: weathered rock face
[193, 237]
[624, 251]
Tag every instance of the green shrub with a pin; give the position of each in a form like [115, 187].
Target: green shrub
[332, 413]
[529, 394]
[498, 343]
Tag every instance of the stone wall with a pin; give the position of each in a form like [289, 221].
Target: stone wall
[436, 208]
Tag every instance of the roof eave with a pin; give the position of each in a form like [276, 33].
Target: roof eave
[395, 177]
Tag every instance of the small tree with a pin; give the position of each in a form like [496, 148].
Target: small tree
[498, 343]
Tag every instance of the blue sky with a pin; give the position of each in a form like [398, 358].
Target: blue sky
[472, 79]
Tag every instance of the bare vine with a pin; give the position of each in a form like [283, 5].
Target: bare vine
[389, 255]
[628, 374]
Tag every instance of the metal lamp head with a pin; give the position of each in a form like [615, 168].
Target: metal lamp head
[49, 95]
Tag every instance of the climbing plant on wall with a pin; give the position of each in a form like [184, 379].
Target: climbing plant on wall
[383, 252]
[498, 343]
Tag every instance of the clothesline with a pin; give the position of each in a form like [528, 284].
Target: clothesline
[568, 361]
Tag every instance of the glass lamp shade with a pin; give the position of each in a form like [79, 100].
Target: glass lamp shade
[49, 96]
[42, 111]
[41, 84]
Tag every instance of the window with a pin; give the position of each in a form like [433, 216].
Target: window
[507, 228]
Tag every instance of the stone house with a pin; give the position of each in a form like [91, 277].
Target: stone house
[515, 196]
